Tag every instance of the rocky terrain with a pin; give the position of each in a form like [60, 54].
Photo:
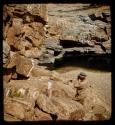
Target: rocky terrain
[37, 38]
[79, 30]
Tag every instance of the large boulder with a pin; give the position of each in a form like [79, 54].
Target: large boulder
[41, 116]
[18, 109]
[58, 106]
[28, 91]
[95, 108]
[45, 104]
[32, 52]
[14, 108]
[12, 59]
[23, 66]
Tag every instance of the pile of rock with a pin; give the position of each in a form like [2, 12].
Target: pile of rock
[27, 100]
[29, 41]
[23, 35]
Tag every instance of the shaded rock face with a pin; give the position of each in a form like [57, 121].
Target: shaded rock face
[78, 30]
[58, 34]
[6, 52]
[23, 26]
[23, 36]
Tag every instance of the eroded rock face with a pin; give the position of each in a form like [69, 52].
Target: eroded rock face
[79, 29]
[57, 106]
[76, 24]
[23, 66]
[58, 33]
[32, 94]
[32, 38]
[23, 35]
[14, 108]
[23, 25]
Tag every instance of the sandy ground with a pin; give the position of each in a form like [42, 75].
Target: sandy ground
[99, 80]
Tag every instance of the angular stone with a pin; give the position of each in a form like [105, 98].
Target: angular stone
[39, 115]
[17, 23]
[37, 26]
[58, 106]
[33, 52]
[36, 41]
[17, 45]
[23, 66]
[39, 71]
[26, 112]
[46, 104]
[100, 33]
[39, 10]
[32, 36]
[107, 45]
[54, 30]
[77, 115]
[10, 35]
[27, 92]
[15, 109]
[12, 60]
[52, 43]
[66, 106]
[98, 109]
[6, 52]
[14, 75]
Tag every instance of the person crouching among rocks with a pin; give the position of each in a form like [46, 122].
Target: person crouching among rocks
[81, 85]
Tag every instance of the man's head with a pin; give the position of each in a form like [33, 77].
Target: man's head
[82, 75]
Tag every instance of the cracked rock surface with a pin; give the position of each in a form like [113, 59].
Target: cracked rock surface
[36, 37]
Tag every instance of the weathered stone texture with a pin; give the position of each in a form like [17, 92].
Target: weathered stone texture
[40, 34]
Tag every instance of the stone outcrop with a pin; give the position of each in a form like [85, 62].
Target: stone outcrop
[30, 95]
[33, 32]
[58, 106]
[76, 30]
[23, 35]
[38, 36]
[23, 27]
[15, 109]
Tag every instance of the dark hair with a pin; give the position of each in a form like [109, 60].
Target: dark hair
[81, 75]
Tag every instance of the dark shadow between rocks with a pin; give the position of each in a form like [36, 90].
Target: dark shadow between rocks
[89, 62]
